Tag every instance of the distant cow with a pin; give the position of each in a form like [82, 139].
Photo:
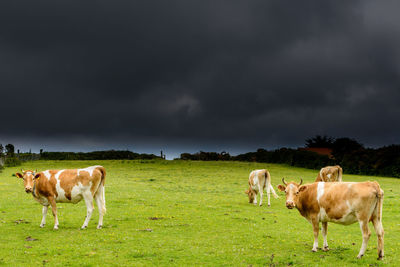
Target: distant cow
[342, 203]
[330, 174]
[258, 181]
[68, 186]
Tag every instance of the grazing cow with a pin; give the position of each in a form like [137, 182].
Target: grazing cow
[342, 203]
[68, 186]
[330, 174]
[258, 181]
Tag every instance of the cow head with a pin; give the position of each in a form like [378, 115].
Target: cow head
[292, 191]
[251, 194]
[28, 177]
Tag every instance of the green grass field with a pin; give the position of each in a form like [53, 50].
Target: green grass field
[183, 213]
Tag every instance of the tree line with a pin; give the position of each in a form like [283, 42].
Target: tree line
[8, 157]
[346, 152]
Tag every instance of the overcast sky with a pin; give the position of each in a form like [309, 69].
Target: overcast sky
[185, 76]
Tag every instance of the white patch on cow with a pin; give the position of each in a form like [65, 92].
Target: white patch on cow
[76, 193]
[60, 191]
[322, 216]
[291, 186]
[320, 190]
[255, 180]
[58, 174]
[47, 174]
[89, 169]
[329, 176]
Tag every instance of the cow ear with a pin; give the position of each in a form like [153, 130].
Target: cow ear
[281, 187]
[302, 188]
[37, 176]
[19, 175]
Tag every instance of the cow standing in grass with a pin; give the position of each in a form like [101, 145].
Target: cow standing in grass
[67, 186]
[330, 174]
[343, 203]
[258, 181]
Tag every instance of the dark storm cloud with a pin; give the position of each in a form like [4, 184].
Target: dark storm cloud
[239, 73]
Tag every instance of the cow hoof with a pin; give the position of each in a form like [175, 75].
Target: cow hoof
[41, 226]
[314, 250]
[269, 205]
[325, 249]
[380, 258]
[359, 256]
[55, 227]
[260, 205]
[99, 226]
[83, 227]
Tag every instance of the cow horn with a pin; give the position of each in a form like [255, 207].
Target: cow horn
[22, 171]
[283, 181]
[301, 181]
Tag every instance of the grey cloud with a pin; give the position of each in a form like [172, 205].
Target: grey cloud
[242, 74]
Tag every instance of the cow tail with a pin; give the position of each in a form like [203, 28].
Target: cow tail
[380, 203]
[340, 174]
[268, 177]
[101, 189]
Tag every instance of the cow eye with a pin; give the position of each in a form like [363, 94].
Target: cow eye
[297, 192]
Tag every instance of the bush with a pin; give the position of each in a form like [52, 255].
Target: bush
[12, 162]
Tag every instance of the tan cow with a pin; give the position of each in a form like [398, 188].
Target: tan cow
[258, 181]
[68, 186]
[330, 174]
[342, 203]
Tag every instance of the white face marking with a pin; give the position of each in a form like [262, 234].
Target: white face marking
[320, 190]
[47, 174]
[291, 186]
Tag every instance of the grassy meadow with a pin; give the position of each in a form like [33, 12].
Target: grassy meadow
[183, 213]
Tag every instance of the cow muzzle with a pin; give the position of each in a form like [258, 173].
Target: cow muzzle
[28, 189]
[290, 204]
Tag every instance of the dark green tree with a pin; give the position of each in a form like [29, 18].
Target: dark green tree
[320, 141]
[10, 149]
[345, 146]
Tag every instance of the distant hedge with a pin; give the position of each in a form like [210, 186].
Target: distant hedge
[12, 162]
[384, 161]
[95, 155]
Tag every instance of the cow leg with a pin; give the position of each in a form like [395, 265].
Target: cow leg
[268, 194]
[44, 213]
[101, 205]
[324, 234]
[255, 197]
[379, 233]
[89, 206]
[315, 224]
[54, 210]
[261, 190]
[365, 234]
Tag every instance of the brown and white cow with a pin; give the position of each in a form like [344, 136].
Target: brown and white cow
[342, 203]
[330, 174]
[67, 186]
[258, 181]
